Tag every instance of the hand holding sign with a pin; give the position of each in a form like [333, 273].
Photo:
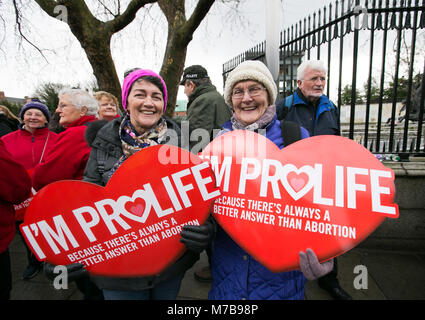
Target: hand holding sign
[311, 267]
[129, 228]
[326, 193]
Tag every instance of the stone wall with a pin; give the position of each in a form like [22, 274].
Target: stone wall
[408, 231]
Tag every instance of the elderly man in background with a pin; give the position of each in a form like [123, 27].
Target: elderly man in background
[312, 109]
[206, 108]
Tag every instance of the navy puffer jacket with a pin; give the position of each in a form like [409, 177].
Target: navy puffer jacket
[321, 118]
[236, 275]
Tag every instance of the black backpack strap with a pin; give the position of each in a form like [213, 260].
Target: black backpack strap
[100, 161]
[282, 112]
[283, 106]
[291, 132]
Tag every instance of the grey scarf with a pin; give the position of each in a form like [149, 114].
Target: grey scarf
[264, 120]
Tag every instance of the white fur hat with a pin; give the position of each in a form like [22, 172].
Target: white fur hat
[250, 70]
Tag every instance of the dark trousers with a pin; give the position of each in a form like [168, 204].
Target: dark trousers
[330, 279]
[89, 289]
[5, 276]
[32, 260]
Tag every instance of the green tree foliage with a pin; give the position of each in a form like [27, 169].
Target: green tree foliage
[13, 107]
[375, 92]
[346, 95]
[48, 94]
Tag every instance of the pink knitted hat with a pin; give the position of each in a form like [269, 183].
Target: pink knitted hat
[132, 77]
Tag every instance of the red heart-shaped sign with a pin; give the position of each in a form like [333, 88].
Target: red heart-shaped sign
[327, 193]
[131, 227]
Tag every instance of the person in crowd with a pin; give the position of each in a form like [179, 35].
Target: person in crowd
[144, 98]
[8, 121]
[206, 109]
[308, 105]
[251, 92]
[312, 109]
[15, 187]
[68, 157]
[108, 105]
[29, 145]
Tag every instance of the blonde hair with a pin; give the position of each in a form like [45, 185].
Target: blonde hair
[100, 94]
[8, 113]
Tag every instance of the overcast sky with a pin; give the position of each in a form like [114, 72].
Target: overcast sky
[219, 38]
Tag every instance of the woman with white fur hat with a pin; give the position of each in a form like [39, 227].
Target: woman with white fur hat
[251, 92]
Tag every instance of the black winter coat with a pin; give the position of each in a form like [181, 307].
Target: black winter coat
[7, 125]
[104, 139]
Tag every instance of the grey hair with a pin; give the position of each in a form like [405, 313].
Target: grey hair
[199, 82]
[80, 98]
[311, 64]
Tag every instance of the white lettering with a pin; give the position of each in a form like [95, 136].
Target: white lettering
[246, 162]
[352, 186]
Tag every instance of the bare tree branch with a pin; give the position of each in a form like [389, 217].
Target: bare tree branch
[107, 9]
[19, 26]
[121, 21]
[198, 15]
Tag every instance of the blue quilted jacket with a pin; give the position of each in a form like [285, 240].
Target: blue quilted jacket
[236, 275]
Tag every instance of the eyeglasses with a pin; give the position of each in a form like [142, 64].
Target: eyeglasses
[252, 92]
[315, 79]
[62, 106]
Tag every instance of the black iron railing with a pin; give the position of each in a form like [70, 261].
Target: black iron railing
[391, 36]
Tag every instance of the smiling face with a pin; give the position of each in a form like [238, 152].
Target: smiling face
[145, 104]
[33, 119]
[107, 108]
[313, 84]
[249, 108]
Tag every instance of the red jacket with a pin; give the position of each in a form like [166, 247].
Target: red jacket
[15, 187]
[27, 148]
[68, 157]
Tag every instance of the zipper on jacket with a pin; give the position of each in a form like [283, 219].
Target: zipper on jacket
[32, 150]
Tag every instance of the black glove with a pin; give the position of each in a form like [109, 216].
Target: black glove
[197, 238]
[75, 271]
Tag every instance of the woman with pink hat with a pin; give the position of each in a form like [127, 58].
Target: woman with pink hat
[144, 98]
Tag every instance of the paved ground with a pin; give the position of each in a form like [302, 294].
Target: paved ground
[390, 275]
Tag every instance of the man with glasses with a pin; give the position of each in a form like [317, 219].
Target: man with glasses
[313, 110]
[308, 105]
[206, 108]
